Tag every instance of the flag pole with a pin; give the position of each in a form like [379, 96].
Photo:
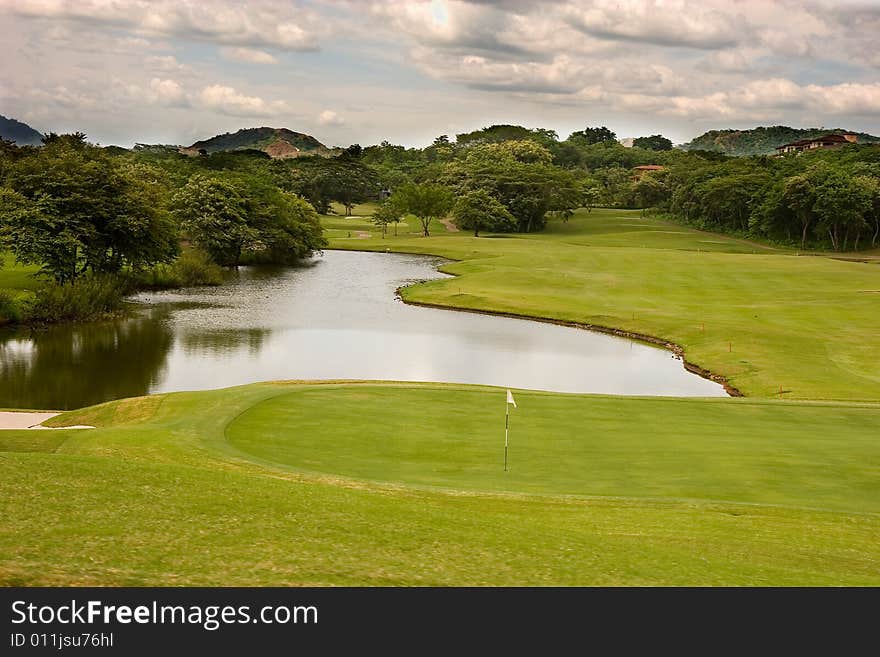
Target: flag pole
[506, 425]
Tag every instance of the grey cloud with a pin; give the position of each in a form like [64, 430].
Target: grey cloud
[282, 25]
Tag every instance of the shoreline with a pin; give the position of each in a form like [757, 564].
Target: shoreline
[673, 347]
[676, 349]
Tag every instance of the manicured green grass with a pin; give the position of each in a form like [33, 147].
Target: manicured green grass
[387, 484]
[764, 318]
[792, 453]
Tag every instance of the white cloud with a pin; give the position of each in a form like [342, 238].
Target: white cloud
[662, 22]
[249, 55]
[166, 63]
[765, 98]
[168, 92]
[329, 117]
[283, 25]
[226, 100]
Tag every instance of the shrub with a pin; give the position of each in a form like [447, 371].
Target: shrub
[10, 311]
[86, 298]
[192, 268]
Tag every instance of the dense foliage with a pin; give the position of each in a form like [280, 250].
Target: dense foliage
[72, 209]
[828, 199]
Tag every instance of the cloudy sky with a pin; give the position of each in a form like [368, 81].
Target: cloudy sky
[172, 71]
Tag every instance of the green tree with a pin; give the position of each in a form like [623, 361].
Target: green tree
[478, 210]
[591, 196]
[593, 135]
[650, 191]
[842, 203]
[426, 201]
[653, 143]
[389, 212]
[287, 229]
[799, 195]
[74, 209]
[213, 213]
[519, 175]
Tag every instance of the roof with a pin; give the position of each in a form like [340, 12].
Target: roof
[649, 167]
[825, 139]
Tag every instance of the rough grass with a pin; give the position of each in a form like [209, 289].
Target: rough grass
[180, 497]
[766, 319]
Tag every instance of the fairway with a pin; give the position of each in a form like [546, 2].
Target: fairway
[764, 318]
[391, 484]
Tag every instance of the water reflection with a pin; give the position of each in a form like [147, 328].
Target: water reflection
[335, 318]
[65, 367]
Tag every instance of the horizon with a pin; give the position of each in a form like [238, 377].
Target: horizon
[419, 146]
[127, 72]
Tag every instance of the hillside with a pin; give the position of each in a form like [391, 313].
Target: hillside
[275, 142]
[761, 140]
[21, 133]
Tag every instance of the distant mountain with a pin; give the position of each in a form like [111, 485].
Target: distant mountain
[761, 141]
[275, 142]
[21, 133]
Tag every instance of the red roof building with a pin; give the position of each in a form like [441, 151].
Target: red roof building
[826, 141]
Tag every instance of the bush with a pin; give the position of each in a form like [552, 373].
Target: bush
[10, 310]
[86, 298]
[192, 268]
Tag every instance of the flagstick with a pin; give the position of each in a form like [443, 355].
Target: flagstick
[506, 424]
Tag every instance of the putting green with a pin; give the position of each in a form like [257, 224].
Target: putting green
[757, 452]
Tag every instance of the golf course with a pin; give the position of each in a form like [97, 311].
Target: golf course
[391, 483]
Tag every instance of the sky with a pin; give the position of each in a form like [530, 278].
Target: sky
[406, 71]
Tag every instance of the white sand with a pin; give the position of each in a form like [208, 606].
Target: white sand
[26, 420]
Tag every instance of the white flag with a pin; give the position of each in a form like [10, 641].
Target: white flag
[510, 398]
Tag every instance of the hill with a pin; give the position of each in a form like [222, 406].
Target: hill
[275, 142]
[21, 133]
[761, 140]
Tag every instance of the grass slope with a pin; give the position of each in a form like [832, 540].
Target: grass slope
[180, 489]
[763, 317]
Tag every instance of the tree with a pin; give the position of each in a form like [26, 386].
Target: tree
[322, 180]
[504, 132]
[593, 135]
[520, 176]
[353, 152]
[478, 210]
[213, 212]
[288, 229]
[389, 212]
[426, 201]
[650, 191]
[799, 195]
[591, 197]
[71, 208]
[653, 143]
[872, 188]
[842, 203]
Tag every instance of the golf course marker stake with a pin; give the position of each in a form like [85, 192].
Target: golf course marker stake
[510, 401]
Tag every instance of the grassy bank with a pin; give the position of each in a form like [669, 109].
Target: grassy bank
[765, 318]
[402, 484]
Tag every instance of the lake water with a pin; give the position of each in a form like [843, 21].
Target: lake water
[334, 318]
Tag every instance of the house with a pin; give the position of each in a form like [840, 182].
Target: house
[826, 141]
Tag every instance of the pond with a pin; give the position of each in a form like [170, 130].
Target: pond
[334, 318]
